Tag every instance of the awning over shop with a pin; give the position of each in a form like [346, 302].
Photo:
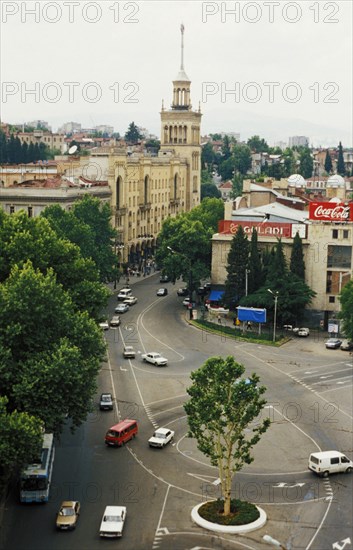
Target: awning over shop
[216, 295]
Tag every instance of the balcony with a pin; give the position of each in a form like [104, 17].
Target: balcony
[121, 211]
[174, 202]
[145, 206]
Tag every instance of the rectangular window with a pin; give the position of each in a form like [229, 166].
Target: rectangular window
[30, 212]
[331, 299]
[345, 233]
[335, 233]
[12, 209]
[339, 256]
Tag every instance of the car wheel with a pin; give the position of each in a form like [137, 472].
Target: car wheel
[325, 474]
[144, 360]
[349, 470]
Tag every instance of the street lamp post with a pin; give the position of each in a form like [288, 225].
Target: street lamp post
[275, 295]
[247, 271]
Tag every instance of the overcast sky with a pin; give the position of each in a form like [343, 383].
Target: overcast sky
[275, 69]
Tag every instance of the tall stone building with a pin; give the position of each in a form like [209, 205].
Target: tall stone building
[147, 188]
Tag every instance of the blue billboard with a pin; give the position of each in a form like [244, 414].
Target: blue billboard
[252, 314]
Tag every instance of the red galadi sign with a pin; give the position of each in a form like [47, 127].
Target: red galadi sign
[268, 229]
[331, 211]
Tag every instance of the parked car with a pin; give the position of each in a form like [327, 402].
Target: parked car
[113, 520]
[201, 291]
[115, 321]
[106, 402]
[333, 343]
[346, 345]
[154, 358]
[303, 332]
[130, 300]
[68, 515]
[162, 292]
[104, 325]
[288, 327]
[161, 438]
[186, 302]
[164, 279]
[129, 352]
[123, 294]
[183, 292]
[121, 308]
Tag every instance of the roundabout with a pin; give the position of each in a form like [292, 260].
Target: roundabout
[228, 529]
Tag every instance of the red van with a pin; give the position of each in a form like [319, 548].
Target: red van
[121, 433]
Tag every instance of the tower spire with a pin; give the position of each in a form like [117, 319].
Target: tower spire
[182, 47]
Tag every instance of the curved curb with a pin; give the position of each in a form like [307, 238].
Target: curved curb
[228, 529]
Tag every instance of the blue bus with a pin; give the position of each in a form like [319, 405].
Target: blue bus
[36, 477]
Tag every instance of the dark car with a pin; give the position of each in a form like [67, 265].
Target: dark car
[182, 292]
[164, 279]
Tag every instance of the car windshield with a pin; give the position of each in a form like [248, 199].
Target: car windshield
[67, 512]
[112, 518]
[106, 398]
[159, 435]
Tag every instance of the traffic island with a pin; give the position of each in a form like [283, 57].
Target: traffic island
[247, 518]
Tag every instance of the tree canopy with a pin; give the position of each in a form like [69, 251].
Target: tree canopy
[210, 190]
[133, 134]
[226, 431]
[341, 169]
[346, 313]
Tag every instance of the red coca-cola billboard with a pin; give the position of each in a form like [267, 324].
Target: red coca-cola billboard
[331, 212]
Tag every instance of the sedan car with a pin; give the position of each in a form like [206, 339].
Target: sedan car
[113, 520]
[164, 279]
[154, 358]
[129, 352]
[186, 302]
[104, 325]
[182, 291]
[122, 308]
[303, 332]
[346, 345]
[333, 343]
[130, 301]
[115, 321]
[161, 438]
[68, 515]
[106, 402]
[162, 292]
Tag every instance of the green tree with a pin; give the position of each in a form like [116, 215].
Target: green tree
[328, 162]
[341, 169]
[31, 152]
[306, 165]
[185, 242]
[226, 169]
[210, 190]
[223, 415]
[255, 270]
[51, 352]
[346, 313]
[17, 427]
[242, 158]
[3, 148]
[237, 264]
[133, 134]
[237, 189]
[297, 265]
[257, 144]
[226, 149]
[97, 216]
[23, 238]
[207, 156]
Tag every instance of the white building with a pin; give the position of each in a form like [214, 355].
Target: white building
[297, 141]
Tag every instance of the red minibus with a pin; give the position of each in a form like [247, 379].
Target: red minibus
[121, 433]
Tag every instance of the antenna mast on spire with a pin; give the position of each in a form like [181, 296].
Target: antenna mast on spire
[182, 47]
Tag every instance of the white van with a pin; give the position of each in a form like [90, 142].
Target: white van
[124, 293]
[329, 462]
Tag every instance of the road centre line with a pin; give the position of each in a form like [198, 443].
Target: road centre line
[334, 380]
[330, 373]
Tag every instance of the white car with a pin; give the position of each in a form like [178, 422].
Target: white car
[154, 358]
[161, 437]
[130, 300]
[115, 321]
[104, 325]
[113, 520]
[303, 332]
[121, 308]
[129, 352]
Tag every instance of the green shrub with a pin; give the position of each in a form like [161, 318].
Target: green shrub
[242, 512]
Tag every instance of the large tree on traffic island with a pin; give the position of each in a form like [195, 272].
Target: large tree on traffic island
[222, 416]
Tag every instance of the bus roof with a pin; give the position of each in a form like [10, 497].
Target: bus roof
[123, 424]
[39, 468]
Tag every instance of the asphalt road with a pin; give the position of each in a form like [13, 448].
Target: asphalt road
[309, 394]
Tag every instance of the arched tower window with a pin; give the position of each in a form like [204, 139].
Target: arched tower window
[118, 192]
[145, 189]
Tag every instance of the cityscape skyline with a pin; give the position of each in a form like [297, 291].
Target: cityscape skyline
[255, 67]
